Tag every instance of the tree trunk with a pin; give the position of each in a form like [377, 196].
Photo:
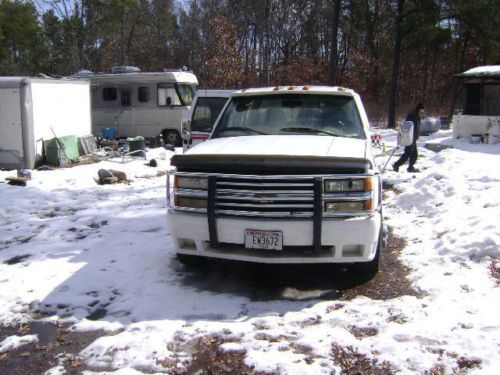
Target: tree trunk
[82, 36]
[332, 65]
[456, 82]
[393, 96]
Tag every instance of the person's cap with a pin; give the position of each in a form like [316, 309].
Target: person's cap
[420, 106]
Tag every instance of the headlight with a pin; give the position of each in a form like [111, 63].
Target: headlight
[191, 182]
[191, 202]
[348, 185]
[358, 206]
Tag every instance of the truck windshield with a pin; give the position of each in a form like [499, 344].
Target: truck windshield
[206, 112]
[325, 115]
[186, 92]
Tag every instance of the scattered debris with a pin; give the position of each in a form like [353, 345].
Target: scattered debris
[17, 181]
[495, 270]
[210, 358]
[97, 314]
[121, 176]
[96, 225]
[111, 176]
[437, 369]
[362, 332]
[24, 173]
[352, 362]
[45, 168]
[152, 163]
[55, 345]
[16, 259]
[436, 147]
[468, 363]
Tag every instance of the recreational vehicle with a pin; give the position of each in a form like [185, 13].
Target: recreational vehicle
[139, 103]
[36, 110]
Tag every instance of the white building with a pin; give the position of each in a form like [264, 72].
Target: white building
[481, 114]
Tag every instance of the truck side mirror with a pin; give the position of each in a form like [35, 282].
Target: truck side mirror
[186, 134]
[169, 101]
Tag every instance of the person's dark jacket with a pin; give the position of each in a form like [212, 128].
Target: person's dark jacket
[414, 117]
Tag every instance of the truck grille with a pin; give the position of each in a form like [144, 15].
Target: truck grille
[278, 196]
[265, 197]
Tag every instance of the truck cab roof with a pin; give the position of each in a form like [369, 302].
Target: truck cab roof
[332, 90]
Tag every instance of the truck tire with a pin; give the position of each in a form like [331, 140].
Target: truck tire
[172, 137]
[191, 260]
[367, 270]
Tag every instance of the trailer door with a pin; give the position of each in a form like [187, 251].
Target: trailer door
[11, 129]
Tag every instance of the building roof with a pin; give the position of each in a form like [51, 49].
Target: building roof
[18, 81]
[169, 76]
[487, 71]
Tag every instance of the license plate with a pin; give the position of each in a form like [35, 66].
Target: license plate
[263, 239]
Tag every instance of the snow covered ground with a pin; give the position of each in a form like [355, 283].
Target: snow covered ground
[100, 258]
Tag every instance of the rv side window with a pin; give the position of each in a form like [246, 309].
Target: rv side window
[165, 91]
[109, 94]
[143, 94]
[125, 97]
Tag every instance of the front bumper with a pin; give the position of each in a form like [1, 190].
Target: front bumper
[343, 240]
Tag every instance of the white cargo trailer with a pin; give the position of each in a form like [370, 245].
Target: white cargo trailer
[33, 109]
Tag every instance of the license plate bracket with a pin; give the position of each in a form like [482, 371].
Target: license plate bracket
[264, 239]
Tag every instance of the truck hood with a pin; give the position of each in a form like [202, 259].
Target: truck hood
[284, 145]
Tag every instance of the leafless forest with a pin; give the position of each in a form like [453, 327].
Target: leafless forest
[393, 53]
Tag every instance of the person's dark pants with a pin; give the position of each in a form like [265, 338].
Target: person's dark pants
[411, 153]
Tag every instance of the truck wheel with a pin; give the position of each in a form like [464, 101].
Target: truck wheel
[172, 137]
[367, 270]
[191, 260]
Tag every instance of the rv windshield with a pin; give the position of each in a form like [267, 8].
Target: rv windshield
[186, 92]
[323, 115]
[206, 112]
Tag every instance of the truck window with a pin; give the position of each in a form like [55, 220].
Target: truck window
[186, 92]
[334, 115]
[109, 94]
[206, 112]
[165, 91]
[143, 94]
[125, 97]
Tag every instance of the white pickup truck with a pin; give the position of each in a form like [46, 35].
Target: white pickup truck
[287, 176]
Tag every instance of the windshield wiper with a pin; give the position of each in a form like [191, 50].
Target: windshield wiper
[308, 130]
[244, 129]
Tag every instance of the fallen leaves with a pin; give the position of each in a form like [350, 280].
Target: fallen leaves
[468, 363]
[351, 362]
[495, 270]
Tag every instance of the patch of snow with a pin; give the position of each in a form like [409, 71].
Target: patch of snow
[57, 370]
[101, 257]
[14, 342]
[123, 371]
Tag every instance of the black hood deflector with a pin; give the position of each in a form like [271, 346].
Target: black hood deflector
[269, 164]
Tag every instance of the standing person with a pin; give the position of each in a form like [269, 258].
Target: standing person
[411, 151]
